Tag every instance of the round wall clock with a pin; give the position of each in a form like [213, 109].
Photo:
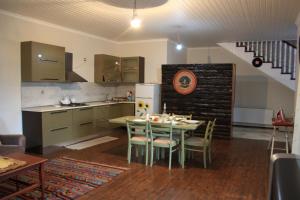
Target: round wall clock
[257, 62]
[184, 82]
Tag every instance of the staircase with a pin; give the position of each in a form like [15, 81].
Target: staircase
[279, 58]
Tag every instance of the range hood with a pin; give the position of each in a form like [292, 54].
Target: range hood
[71, 76]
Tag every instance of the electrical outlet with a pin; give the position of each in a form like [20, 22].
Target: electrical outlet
[84, 59]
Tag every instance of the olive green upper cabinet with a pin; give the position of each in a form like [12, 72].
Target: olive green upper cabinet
[42, 62]
[107, 69]
[133, 69]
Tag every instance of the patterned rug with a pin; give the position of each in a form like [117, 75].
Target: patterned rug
[65, 178]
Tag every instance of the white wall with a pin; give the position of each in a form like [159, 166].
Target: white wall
[253, 88]
[10, 87]
[155, 53]
[14, 29]
[296, 136]
[174, 56]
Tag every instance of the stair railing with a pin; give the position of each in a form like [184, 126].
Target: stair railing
[280, 54]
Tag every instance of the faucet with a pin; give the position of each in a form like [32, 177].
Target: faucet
[106, 97]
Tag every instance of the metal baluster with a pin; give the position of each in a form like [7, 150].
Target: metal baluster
[270, 51]
[279, 55]
[248, 45]
[295, 63]
[290, 59]
[256, 48]
[265, 51]
[284, 57]
[275, 53]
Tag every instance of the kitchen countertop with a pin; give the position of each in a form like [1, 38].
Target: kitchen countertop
[57, 107]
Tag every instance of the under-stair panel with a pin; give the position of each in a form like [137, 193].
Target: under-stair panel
[269, 66]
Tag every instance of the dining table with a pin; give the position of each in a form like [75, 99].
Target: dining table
[183, 127]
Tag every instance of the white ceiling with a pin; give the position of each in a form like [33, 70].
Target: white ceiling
[198, 22]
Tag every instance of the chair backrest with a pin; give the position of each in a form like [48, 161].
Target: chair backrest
[188, 117]
[208, 130]
[212, 130]
[137, 128]
[161, 130]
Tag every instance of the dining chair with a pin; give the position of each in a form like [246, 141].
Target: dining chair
[202, 144]
[138, 136]
[161, 136]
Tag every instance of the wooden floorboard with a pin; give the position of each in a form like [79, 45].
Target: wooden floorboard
[239, 171]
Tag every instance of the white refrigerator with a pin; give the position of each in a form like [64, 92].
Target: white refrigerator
[147, 99]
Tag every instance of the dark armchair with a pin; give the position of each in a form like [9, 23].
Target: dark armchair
[12, 143]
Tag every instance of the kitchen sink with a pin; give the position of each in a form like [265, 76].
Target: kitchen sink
[73, 105]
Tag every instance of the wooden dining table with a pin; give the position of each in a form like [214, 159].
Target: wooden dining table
[182, 126]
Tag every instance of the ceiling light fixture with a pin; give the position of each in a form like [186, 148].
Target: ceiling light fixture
[179, 45]
[135, 21]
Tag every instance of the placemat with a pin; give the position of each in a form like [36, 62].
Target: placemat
[7, 164]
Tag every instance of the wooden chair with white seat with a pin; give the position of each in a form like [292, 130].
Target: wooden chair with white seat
[202, 144]
[138, 135]
[162, 137]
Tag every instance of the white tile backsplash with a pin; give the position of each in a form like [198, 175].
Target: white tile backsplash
[42, 94]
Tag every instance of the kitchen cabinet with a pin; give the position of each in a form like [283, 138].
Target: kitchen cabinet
[103, 114]
[47, 128]
[128, 109]
[42, 62]
[83, 122]
[107, 69]
[133, 69]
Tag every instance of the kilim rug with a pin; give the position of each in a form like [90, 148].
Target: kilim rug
[65, 178]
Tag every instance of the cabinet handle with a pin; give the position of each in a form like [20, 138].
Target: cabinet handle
[58, 129]
[48, 60]
[49, 79]
[82, 109]
[58, 112]
[87, 123]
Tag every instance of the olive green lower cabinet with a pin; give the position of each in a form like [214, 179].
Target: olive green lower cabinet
[128, 109]
[102, 115]
[83, 122]
[43, 129]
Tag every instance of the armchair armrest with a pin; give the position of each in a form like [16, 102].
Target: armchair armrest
[18, 140]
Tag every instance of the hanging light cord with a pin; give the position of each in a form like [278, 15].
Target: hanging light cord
[134, 9]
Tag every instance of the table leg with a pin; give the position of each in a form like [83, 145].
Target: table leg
[182, 148]
[17, 183]
[273, 141]
[42, 184]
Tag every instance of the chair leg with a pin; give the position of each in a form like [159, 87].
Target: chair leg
[209, 154]
[287, 140]
[152, 152]
[157, 153]
[146, 152]
[137, 151]
[162, 154]
[170, 158]
[272, 141]
[129, 153]
[273, 134]
[204, 157]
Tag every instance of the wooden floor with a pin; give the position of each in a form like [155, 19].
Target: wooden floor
[239, 171]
